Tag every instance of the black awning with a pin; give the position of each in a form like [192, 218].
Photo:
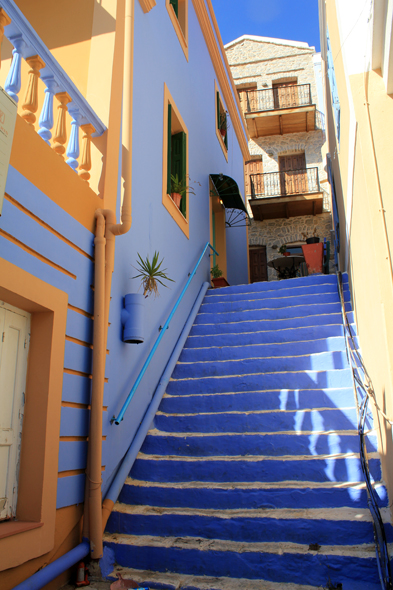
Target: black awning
[228, 191]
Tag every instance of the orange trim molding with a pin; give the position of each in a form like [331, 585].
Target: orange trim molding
[147, 5]
[224, 76]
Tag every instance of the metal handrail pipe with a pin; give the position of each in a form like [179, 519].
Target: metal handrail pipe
[160, 336]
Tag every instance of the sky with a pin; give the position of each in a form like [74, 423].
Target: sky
[295, 20]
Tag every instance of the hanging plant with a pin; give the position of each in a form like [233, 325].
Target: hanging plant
[151, 274]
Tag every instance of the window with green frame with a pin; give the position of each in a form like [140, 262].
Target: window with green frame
[179, 7]
[177, 159]
[222, 120]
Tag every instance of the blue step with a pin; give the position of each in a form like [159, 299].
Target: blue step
[263, 382]
[311, 362]
[271, 445]
[345, 469]
[218, 353]
[256, 400]
[153, 494]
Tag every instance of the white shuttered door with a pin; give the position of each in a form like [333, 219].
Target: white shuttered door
[14, 343]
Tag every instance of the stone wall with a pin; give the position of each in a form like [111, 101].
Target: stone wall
[273, 233]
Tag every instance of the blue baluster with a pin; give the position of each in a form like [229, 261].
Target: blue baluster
[46, 117]
[13, 81]
[73, 144]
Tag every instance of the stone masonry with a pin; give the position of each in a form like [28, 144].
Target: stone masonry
[262, 61]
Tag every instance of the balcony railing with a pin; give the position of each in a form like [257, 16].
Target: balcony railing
[289, 182]
[280, 97]
[70, 102]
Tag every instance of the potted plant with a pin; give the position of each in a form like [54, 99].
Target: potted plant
[217, 279]
[179, 187]
[151, 274]
[314, 239]
[283, 250]
[223, 123]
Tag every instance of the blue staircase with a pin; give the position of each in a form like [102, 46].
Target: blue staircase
[250, 475]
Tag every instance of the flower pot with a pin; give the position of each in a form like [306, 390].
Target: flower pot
[312, 241]
[133, 318]
[313, 256]
[220, 282]
[176, 198]
[286, 253]
[223, 132]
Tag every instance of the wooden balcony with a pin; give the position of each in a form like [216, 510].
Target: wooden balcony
[279, 110]
[285, 194]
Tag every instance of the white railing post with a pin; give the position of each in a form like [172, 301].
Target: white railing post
[46, 117]
[73, 144]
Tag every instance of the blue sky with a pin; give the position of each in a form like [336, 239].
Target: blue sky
[296, 20]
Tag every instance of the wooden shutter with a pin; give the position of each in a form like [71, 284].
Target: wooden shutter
[178, 162]
[218, 110]
[13, 365]
[253, 167]
[294, 177]
[258, 264]
[175, 4]
[169, 164]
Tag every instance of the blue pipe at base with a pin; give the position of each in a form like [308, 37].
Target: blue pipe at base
[54, 569]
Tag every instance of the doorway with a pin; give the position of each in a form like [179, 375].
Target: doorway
[258, 264]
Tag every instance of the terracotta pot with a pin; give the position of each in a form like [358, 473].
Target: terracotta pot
[223, 132]
[220, 282]
[176, 197]
[313, 256]
[286, 253]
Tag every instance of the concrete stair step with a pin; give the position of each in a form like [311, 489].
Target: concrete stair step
[257, 495]
[276, 300]
[247, 338]
[344, 468]
[298, 421]
[262, 382]
[215, 296]
[268, 324]
[290, 399]
[331, 360]
[267, 313]
[271, 445]
[230, 353]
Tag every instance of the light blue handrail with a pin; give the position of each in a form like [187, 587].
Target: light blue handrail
[157, 342]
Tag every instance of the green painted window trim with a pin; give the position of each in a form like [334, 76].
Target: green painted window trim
[175, 4]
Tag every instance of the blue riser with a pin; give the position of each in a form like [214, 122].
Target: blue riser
[266, 422]
[276, 301]
[266, 350]
[298, 311]
[249, 530]
[224, 499]
[252, 401]
[216, 297]
[265, 325]
[273, 445]
[325, 361]
[296, 283]
[277, 381]
[312, 470]
[309, 569]
[262, 337]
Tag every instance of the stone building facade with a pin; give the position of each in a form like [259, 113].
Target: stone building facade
[260, 63]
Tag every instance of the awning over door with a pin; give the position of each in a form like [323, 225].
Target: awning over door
[228, 191]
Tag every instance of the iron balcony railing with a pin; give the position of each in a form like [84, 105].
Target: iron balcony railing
[288, 182]
[283, 97]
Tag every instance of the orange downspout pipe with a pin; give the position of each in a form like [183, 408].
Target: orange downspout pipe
[106, 231]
